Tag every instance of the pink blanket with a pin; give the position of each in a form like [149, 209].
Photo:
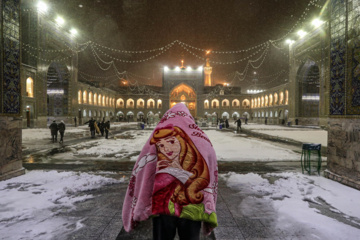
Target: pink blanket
[176, 174]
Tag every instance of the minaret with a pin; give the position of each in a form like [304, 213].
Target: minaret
[207, 72]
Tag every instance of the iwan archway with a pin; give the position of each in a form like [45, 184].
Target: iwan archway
[185, 94]
[58, 78]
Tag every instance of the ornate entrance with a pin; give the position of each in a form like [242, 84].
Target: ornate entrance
[184, 94]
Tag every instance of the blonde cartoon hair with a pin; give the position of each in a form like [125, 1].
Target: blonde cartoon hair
[191, 161]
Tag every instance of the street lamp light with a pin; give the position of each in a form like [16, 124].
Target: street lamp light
[42, 7]
[301, 33]
[60, 21]
[317, 22]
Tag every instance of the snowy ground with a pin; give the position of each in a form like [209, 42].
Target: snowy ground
[305, 135]
[297, 199]
[228, 146]
[30, 204]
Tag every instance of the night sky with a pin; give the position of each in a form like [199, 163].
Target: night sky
[220, 25]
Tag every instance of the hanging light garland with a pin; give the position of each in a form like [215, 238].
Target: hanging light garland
[131, 61]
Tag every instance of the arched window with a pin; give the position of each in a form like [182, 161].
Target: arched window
[95, 99]
[79, 97]
[206, 104]
[215, 103]
[246, 103]
[262, 101]
[159, 103]
[120, 103]
[266, 101]
[270, 100]
[85, 97]
[99, 100]
[107, 101]
[140, 103]
[275, 99]
[150, 103]
[29, 87]
[286, 97]
[281, 98]
[130, 103]
[225, 103]
[103, 100]
[90, 97]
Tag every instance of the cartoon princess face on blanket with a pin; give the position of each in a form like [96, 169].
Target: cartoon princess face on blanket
[178, 157]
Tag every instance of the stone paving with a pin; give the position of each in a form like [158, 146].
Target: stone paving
[101, 216]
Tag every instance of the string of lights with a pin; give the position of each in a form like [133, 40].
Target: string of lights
[98, 77]
[139, 51]
[299, 22]
[221, 52]
[78, 50]
[48, 60]
[232, 62]
[131, 61]
[111, 63]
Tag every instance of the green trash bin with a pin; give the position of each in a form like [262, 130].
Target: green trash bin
[311, 158]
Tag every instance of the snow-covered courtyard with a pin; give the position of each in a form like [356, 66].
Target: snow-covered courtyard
[33, 205]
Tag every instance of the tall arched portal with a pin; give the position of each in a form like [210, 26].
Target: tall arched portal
[308, 78]
[185, 94]
[58, 78]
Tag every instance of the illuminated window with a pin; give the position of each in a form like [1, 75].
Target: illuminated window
[183, 98]
[120, 103]
[90, 97]
[266, 101]
[159, 103]
[29, 87]
[286, 97]
[206, 104]
[99, 100]
[281, 100]
[79, 97]
[95, 99]
[85, 97]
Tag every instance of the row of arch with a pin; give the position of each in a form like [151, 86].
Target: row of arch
[270, 114]
[271, 100]
[95, 99]
[215, 103]
[96, 113]
[140, 103]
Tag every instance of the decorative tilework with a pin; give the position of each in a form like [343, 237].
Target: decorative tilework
[338, 57]
[11, 57]
[353, 76]
[355, 88]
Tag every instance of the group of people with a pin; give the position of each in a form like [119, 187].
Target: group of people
[55, 128]
[99, 127]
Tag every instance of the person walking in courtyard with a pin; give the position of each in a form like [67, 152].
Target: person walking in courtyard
[53, 129]
[107, 128]
[102, 127]
[92, 127]
[226, 123]
[75, 121]
[174, 180]
[61, 127]
[238, 125]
